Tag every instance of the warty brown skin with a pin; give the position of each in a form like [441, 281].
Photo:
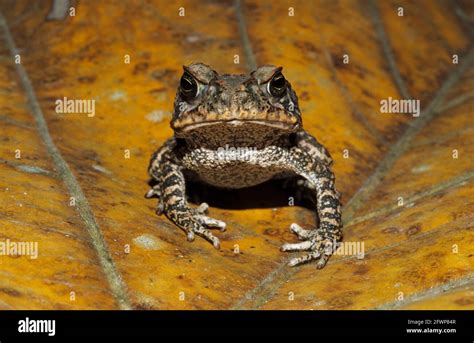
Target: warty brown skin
[236, 131]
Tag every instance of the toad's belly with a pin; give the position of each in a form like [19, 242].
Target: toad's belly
[238, 176]
[231, 171]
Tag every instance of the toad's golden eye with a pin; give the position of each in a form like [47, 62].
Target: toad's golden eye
[277, 85]
[188, 86]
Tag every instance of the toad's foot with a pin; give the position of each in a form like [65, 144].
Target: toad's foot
[195, 222]
[318, 242]
[156, 192]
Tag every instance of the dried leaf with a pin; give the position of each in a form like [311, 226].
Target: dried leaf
[407, 198]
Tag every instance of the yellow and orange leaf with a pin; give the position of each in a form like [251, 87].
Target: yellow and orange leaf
[406, 181]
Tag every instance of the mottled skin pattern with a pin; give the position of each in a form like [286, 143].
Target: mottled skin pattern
[235, 131]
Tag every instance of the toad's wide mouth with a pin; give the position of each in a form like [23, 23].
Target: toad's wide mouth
[276, 120]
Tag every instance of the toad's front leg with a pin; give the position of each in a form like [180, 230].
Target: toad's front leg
[320, 242]
[171, 190]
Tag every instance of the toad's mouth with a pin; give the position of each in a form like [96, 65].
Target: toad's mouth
[276, 120]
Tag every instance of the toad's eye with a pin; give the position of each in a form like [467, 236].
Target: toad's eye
[277, 85]
[188, 86]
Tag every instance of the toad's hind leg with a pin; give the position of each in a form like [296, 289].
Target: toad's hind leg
[171, 189]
